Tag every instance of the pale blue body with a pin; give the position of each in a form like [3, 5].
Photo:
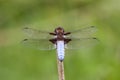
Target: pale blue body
[60, 50]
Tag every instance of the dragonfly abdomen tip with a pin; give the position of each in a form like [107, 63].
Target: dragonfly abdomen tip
[61, 58]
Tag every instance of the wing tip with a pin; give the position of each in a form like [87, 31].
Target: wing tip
[96, 39]
[25, 39]
[26, 28]
[92, 26]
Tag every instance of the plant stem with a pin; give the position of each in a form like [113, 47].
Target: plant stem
[60, 70]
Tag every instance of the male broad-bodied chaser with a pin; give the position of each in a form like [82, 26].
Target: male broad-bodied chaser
[60, 39]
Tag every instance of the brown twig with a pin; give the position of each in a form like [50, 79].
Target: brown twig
[61, 75]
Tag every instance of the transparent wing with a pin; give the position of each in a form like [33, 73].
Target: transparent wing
[81, 43]
[41, 44]
[83, 33]
[37, 34]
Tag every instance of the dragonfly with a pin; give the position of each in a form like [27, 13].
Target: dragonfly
[59, 39]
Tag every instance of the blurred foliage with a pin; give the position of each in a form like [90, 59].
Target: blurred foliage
[21, 63]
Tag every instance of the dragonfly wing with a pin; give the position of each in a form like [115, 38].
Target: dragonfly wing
[81, 43]
[36, 34]
[83, 33]
[41, 44]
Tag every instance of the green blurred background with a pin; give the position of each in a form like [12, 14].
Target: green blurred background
[101, 62]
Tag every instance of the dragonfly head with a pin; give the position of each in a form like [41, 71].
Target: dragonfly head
[59, 30]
